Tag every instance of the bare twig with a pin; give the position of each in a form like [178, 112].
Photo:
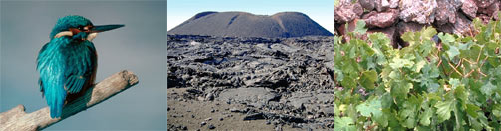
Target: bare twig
[17, 120]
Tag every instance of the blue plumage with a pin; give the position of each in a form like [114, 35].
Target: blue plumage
[68, 63]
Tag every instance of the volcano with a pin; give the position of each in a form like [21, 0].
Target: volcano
[242, 24]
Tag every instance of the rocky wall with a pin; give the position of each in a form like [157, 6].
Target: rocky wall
[395, 17]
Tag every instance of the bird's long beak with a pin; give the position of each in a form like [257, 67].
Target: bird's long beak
[103, 28]
[92, 32]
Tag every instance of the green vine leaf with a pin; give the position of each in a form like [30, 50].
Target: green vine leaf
[360, 27]
[444, 109]
[472, 110]
[368, 78]
[428, 33]
[447, 38]
[418, 87]
[488, 88]
[370, 106]
[426, 116]
[344, 124]
[452, 52]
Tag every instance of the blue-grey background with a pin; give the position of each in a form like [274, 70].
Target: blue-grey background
[140, 47]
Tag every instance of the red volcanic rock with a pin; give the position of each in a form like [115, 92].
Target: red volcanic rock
[395, 17]
[491, 10]
[469, 8]
[351, 26]
[367, 4]
[358, 10]
[496, 16]
[347, 12]
[393, 3]
[447, 11]
[446, 28]
[381, 19]
[484, 18]
[342, 29]
[460, 27]
[408, 26]
[484, 3]
[381, 5]
[420, 11]
[390, 32]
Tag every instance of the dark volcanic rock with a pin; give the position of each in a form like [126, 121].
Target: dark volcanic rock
[251, 96]
[254, 116]
[460, 27]
[282, 80]
[309, 101]
[241, 24]
[198, 61]
[211, 127]
[171, 127]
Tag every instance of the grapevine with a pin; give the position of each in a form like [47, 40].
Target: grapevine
[452, 84]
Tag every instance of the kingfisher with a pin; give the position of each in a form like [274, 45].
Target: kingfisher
[68, 63]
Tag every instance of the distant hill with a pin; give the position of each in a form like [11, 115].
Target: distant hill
[242, 24]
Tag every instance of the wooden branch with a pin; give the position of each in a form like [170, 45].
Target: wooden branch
[17, 120]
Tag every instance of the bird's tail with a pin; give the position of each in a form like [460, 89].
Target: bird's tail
[55, 96]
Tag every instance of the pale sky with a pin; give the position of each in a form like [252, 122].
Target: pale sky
[321, 11]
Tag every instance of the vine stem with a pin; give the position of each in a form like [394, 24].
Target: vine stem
[478, 69]
[452, 66]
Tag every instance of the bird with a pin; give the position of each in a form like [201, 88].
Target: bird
[67, 64]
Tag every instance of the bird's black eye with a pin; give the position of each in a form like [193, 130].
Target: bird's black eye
[81, 28]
